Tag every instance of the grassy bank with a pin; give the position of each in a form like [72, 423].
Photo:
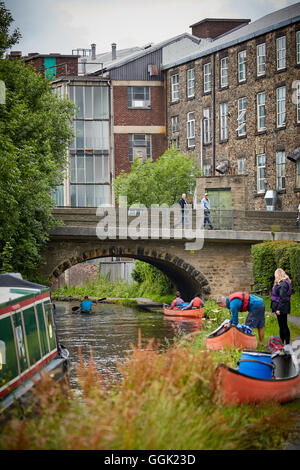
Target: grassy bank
[167, 400]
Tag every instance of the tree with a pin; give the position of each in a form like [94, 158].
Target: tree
[158, 182]
[7, 40]
[35, 129]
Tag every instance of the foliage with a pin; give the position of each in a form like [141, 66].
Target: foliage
[151, 280]
[7, 40]
[34, 133]
[268, 256]
[158, 182]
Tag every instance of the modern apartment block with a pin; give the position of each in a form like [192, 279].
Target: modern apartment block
[236, 106]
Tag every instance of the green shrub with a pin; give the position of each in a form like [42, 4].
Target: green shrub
[295, 267]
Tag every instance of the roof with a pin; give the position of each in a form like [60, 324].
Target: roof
[263, 25]
[231, 20]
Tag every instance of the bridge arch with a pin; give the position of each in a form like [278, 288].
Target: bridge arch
[182, 274]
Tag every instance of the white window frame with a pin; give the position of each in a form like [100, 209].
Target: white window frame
[281, 106]
[175, 87]
[297, 47]
[206, 125]
[207, 77]
[242, 108]
[224, 72]
[261, 111]
[224, 121]
[207, 170]
[281, 52]
[261, 180]
[145, 102]
[242, 66]
[261, 59]
[298, 101]
[174, 124]
[191, 83]
[280, 170]
[242, 166]
[298, 174]
[190, 129]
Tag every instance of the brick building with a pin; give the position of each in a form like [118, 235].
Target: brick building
[236, 106]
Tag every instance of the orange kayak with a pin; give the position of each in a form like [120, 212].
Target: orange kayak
[231, 336]
[196, 312]
[236, 387]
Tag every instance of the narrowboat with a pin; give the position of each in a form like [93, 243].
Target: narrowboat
[195, 312]
[28, 339]
[240, 387]
[226, 335]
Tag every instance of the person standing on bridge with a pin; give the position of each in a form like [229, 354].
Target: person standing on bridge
[245, 302]
[184, 212]
[205, 205]
[281, 302]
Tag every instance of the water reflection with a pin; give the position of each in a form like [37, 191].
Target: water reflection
[111, 330]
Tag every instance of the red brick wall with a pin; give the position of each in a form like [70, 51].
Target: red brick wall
[212, 29]
[72, 65]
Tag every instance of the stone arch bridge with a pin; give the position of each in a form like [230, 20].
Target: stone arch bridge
[222, 265]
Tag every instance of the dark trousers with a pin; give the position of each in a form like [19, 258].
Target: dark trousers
[284, 331]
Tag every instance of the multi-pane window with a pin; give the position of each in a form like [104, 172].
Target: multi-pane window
[138, 97]
[91, 135]
[224, 121]
[58, 195]
[92, 101]
[280, 99]
[175, 87]
[190, 129]
[175, 124]
[280, 170]
[242, 66]
[242, 166]
[298, 47]
[261, 59]
[298, 101]
[91, 195]
[261, 111]
[206, 126]
[281, 52]
[207, 77]
[139, 146]
[298, 175]
[224, 72]
[206, 170]
[261, 173]
[242, 103]
[190, 83]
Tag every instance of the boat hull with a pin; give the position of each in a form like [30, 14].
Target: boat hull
[231, 336]
[236, 387]
[196, 313]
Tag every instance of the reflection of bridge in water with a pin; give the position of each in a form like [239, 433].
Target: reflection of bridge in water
[223, 264]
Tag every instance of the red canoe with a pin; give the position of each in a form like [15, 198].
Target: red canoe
[231, 336]
[236, 387]
[196, 312]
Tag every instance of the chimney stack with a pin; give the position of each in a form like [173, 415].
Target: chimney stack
[114, 51]
[93, 47]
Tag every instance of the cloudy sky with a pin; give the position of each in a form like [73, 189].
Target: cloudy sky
[62, 25]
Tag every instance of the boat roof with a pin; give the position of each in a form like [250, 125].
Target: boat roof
[13, 286]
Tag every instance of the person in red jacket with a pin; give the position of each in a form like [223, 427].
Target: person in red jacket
[196, 302]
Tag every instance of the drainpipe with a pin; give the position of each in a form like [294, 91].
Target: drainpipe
[214, 118]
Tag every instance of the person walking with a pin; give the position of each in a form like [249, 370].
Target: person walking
[205, 205]
[245, 302]
[281, 302]
[184, 212]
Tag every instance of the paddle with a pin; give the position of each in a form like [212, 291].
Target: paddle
[74, 309]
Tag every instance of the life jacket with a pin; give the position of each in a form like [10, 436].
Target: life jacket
[197, 302]
[244, 297]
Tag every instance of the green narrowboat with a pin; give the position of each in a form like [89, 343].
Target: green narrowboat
[28, 339]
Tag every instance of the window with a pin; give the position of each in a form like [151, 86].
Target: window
[261, 173]
[261, 111]
[175, 142]
[58, 195]
[224, 121]
[280, 98]
[242, 166]
[281, 52]
[224, 72]
[280, 170]
[92, 102]
[92, 135]
[241, 130]
[175, 124]
[298, 47]
[206, 126]
[190, 130]
[207, 77]
[138, 97]
[90, 168]
[298, 175]
[206, 170]
[242, 59]
[175, 87]
[261, 59]
[91, 195]
[190, 83]
[298, 101]
[139, 146]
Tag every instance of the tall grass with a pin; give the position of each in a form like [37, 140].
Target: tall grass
[166, 400]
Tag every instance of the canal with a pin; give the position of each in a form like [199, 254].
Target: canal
[111, 330]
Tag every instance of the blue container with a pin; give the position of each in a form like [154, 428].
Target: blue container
[256, 364]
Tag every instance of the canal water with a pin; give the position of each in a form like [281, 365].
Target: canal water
[111, 330]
